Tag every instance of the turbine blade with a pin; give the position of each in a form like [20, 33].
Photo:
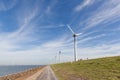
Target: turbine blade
[78, 34]
[70, 29]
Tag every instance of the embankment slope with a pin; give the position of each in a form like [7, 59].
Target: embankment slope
[22, 75]
[94, 69]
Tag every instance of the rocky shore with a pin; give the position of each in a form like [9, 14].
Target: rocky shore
[22, 75]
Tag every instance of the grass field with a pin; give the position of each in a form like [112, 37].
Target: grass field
[94, 69]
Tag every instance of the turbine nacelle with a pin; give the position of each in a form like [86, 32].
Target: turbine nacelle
[76, 35]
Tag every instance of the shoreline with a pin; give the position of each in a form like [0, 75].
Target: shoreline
[23, 74]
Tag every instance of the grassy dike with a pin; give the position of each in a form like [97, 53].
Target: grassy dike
[94, 69]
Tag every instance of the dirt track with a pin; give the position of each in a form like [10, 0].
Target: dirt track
[47, 74]
[42, 73]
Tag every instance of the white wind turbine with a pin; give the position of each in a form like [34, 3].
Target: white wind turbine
[75, 35]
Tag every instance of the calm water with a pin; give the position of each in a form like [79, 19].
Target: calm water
[5, 70]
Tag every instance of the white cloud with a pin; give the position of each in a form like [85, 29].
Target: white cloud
[91, 38]
[52, 26]
[24, 33]
[6, 6]
[52, 44]
[46, 51]
[106, 14]
[84, 4]
[99, 51]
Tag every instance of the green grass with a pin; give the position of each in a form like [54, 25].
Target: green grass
[94, 69]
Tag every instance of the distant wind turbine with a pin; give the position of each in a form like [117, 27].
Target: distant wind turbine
[75, 42]
[55, 59]
[59, 56]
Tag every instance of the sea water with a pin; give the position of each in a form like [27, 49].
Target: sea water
[5, 70]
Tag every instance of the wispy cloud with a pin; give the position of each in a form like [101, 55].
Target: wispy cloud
[99, 51]
[26, 31]
[106, 14]
[83, 5]
[91, 38]
[6, 6]
[46, 51]
[50, 7]
[13, 40]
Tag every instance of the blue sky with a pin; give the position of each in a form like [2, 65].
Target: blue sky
[34, 31]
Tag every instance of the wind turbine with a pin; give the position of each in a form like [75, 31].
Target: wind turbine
[55, 59]
[59, 56]
[75, 35]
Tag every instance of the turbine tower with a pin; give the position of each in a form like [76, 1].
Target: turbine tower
[59, 56]
[55, 59]
[75, 42]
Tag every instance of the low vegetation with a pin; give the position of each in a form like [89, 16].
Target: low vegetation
[94, 69]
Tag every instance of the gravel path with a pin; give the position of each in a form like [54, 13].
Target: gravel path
[35, 76]
[47, 74]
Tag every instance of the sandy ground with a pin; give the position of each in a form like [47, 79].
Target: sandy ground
[36, 75]
[25, 75]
